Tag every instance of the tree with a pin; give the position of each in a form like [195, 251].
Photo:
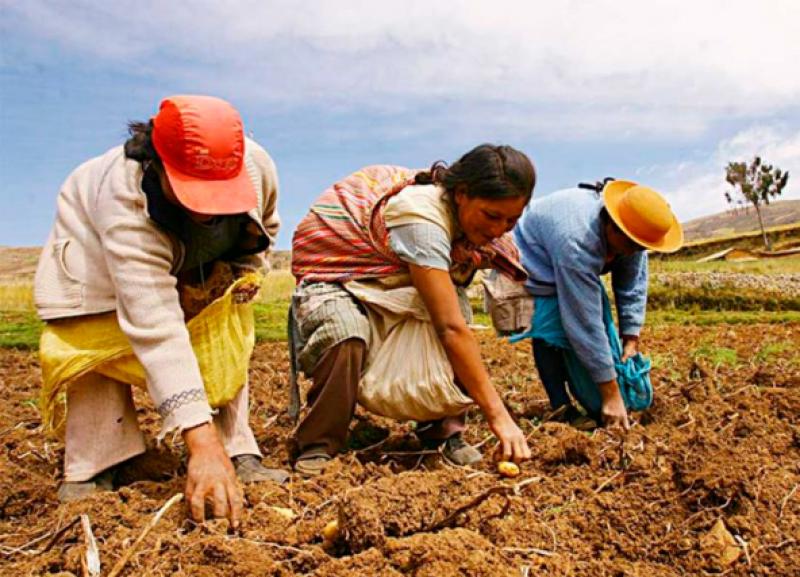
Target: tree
[755, 183]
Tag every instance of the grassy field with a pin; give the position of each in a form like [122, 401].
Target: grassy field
[278, 286]
[16, 296]
[768, 266]
[20, 327]
[704, 318]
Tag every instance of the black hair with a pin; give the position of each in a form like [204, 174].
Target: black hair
[488, 171]
[139, 146]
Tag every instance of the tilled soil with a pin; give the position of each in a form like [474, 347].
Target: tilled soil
[706, 482]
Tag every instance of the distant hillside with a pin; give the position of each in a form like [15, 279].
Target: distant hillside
[18, 264]
[280, 259]
[742, 220]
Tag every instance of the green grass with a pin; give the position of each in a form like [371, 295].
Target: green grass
[270, 321]
[717, 356]
[702, 318]
[480, 318]
[666, 363]
[20, 329]
[722, 298]
[771, 350]
[762, 266]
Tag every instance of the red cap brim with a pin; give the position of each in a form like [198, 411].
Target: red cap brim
[230, 196]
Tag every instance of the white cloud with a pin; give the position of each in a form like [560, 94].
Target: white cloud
[697, 188]
[635, 69]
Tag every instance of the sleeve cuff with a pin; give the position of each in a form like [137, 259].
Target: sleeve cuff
[632, 330]
[603, 374]
[184, 410]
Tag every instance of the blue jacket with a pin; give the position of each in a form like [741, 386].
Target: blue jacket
[563, 247]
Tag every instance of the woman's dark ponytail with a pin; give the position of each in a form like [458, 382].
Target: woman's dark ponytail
[434, 175]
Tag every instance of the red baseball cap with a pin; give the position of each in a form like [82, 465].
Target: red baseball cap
[201, 144]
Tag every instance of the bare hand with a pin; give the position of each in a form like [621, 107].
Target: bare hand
[513, 445]
[630, 347]
[613, 411]
[211, 476]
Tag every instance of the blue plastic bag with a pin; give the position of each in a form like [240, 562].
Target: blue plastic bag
[633, 376]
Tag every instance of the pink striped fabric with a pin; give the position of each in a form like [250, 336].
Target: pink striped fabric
[344, 238]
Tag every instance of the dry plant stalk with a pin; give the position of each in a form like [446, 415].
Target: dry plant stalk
[505, 490]
[91, 560]
[786, 499]
[120, 564]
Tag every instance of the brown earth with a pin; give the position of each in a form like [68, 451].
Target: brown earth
[722, 441]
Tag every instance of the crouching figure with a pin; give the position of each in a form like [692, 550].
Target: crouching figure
[569, 240]
[380, 312]
[142, 236]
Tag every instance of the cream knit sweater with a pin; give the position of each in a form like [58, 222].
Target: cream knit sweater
[104, 253]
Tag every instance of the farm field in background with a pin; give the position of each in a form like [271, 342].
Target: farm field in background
[767, 290]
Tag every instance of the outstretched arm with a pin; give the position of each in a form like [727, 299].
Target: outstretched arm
[440, 298]
[139, 259]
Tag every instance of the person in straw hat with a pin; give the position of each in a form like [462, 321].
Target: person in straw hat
[133, 226]
[568, 240]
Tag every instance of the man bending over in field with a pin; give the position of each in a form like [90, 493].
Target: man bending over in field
[140, 236]
[568, 239]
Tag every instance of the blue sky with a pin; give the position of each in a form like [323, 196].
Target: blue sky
[665, 93]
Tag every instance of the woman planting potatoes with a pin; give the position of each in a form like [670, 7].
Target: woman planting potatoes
[380, 311]
[186, 195]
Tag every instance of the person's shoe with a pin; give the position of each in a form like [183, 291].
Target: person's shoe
[312, 463]
[460, 452]
[250, 470]
[573, 417]
[71, 491]
[584, 423]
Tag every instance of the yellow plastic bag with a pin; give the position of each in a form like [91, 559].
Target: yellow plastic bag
[222, 335]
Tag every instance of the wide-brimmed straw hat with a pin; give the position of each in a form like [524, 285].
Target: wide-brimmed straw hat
[643, 215]
[200, 140]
